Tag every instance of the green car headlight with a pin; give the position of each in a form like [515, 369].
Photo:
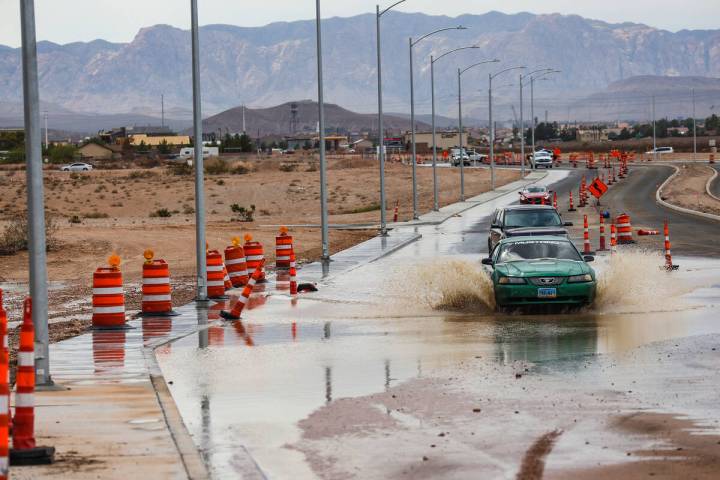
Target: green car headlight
[511, 280]
[580, 278]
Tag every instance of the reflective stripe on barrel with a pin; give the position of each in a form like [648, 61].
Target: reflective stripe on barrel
[156, 290]
[108, 298]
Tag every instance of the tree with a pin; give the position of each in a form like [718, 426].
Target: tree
[245, 143]
[164, 147]
[712, 122]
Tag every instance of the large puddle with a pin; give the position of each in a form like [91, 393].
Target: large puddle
[248, 383]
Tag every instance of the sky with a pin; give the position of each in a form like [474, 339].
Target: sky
[65, 21]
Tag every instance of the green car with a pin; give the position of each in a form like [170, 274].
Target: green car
[540, 271]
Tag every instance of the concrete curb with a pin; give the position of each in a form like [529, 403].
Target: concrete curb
[709, 182]
[676, 208]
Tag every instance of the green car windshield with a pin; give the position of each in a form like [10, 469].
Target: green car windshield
[532, 218]
[537, 249]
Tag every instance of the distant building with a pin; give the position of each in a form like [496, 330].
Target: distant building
[443, 140]
[94, 151]
[592, 135]
[682, 131]
[154, 141]
[362, 145]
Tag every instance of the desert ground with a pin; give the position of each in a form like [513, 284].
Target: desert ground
[126, 211]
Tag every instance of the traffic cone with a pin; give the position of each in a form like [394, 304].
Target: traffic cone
[395, 213]
[4, 397]
[613, 239]
[555, 200]
[668, 256]
[572, 207]
[586, 237]
[25, 451]
[602, 234]
[244, 297]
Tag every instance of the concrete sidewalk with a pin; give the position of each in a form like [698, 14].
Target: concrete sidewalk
[115, 417]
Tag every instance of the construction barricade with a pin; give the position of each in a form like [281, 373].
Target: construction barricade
[255, 256]
[108, 297]
[284, 248]
[236, 263]
[156, 290]
[215, 274]
[624, 229]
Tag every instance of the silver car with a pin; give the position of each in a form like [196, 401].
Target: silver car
[77, 167]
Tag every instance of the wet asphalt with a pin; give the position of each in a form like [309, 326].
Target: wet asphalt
[266, 397]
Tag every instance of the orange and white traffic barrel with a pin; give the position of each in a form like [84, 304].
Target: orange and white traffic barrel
[25, 451]
[255, 256]
[624, 229]
[283, 248]
[215, 274]
[236, 263]
[108, 297]
[156, 290]
[4, 396]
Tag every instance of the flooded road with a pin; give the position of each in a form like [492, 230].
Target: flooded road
[380, 375]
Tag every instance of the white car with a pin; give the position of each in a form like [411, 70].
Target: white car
[541, 158]
[660, 150]
[77, 167]
[477, 157]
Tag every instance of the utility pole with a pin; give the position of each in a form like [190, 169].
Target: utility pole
[532, 114]
[243, 119]
[199, 162]
[47, 145]
[162, 110]
[35, 199]
[321, 136]
[522, 132]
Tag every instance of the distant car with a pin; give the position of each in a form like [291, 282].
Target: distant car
[525, 220]
[541, 158]
[456, 155]
[477, 157]
[535, 195]
[77, 167]
[540, 271]
[660, 150]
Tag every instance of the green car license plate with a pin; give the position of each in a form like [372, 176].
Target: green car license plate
[547, 292]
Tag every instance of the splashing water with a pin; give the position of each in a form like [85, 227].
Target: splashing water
[447, 284]
[634, 278]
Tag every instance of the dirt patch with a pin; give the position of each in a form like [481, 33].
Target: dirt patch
[687, 189]
[681, 449]
[533, 464]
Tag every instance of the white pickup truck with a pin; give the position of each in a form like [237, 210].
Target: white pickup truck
[189, 152]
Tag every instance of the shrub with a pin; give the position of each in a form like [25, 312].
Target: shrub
[162, 212]
[220, 182]
[244, 214]
[15, 237]
[188, 210]
[240, 170]
[96, 214]
[74, 219]
[287, 167]
[215, 166]
[180, 169]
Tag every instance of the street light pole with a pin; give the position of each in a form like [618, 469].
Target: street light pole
[460, 126]
[653, 125]
[436, 203]
[491, 127]
[522, 120]
[532, 112]
[199, 162]
[35, 198]
[412, 113]
[325, 234]
[694, 127]
[381, 133]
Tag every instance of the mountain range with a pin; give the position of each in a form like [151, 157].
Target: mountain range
[273, 64]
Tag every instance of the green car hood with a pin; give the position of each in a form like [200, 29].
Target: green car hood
[540, 268]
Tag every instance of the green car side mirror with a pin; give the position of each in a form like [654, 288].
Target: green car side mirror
[487, 261]
[588, 258]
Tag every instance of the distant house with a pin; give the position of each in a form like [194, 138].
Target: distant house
[362, 145]
[154, 141]
[591, 135]
[443, 140]
[94, 151]
[681, 131]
